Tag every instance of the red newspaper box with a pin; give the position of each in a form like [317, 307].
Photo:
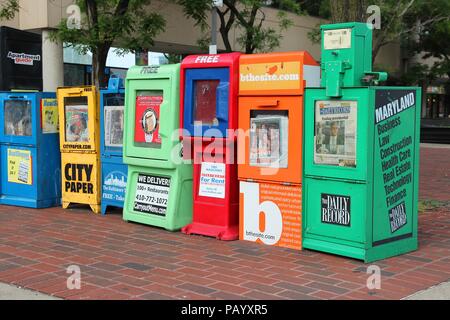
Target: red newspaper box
[209, 98]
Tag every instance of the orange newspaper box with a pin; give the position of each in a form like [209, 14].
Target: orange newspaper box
[271, 88]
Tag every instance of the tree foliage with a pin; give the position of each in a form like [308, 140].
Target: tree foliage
[107, 22]
[401, 20]
[9, 9]
[432, 42]
[248, 16]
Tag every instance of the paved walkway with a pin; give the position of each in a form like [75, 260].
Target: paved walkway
[121, 260]
[439, 292]
[11, 292]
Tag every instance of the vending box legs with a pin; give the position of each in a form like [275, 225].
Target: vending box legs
[80, 177]
[159, 197]
[216, 191]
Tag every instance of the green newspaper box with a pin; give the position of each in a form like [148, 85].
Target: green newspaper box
[159, 185]
[361, 154]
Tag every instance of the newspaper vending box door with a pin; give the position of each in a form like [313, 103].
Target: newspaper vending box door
[80, 146]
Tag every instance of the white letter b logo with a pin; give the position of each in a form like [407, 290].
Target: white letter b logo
[254, 212]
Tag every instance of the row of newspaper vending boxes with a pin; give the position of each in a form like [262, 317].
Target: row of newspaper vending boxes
[169, 144]
[271, 148]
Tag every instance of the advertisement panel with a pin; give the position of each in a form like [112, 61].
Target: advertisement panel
[271, 214]
[147, 120]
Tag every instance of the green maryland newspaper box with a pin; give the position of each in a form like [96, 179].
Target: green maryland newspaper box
[361, 154]
[159, 185]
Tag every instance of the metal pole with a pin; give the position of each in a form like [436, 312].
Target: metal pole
[213, 46]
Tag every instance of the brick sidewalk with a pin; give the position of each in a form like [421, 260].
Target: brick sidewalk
[121, 260]
[435, 173]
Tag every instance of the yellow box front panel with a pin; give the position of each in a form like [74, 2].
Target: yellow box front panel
[80, 178]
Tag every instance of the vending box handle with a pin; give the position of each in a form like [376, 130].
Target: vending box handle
[267, 103]
[17, 97]
[75, 92]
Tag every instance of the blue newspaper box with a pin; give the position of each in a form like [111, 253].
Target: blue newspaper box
[29, 144]
[114, 171]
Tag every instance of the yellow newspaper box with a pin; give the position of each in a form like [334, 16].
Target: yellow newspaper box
[80, 146]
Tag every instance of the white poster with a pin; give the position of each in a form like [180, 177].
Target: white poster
[335, 133]
[212, 180]
[152, 194]
[113, 126]
[337, 39]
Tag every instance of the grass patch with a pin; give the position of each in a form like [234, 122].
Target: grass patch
[428, 205]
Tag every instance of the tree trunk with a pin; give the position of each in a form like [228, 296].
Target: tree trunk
[98, 66]
[348, 10]
[225, 28]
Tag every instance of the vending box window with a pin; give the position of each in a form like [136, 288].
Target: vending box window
[80, 146]
[159, 183]
[29, 154]
[209, 91]
[209, 86]
[361, 154]
[114, 171]
[271, 93]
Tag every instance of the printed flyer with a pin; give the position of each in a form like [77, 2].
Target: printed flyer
[212, 180]
[395, 152]
[19, 166]
[50, 121]
[147, 120]
[76, 117]
[152, 194]
[113, 126]
[335, 133]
